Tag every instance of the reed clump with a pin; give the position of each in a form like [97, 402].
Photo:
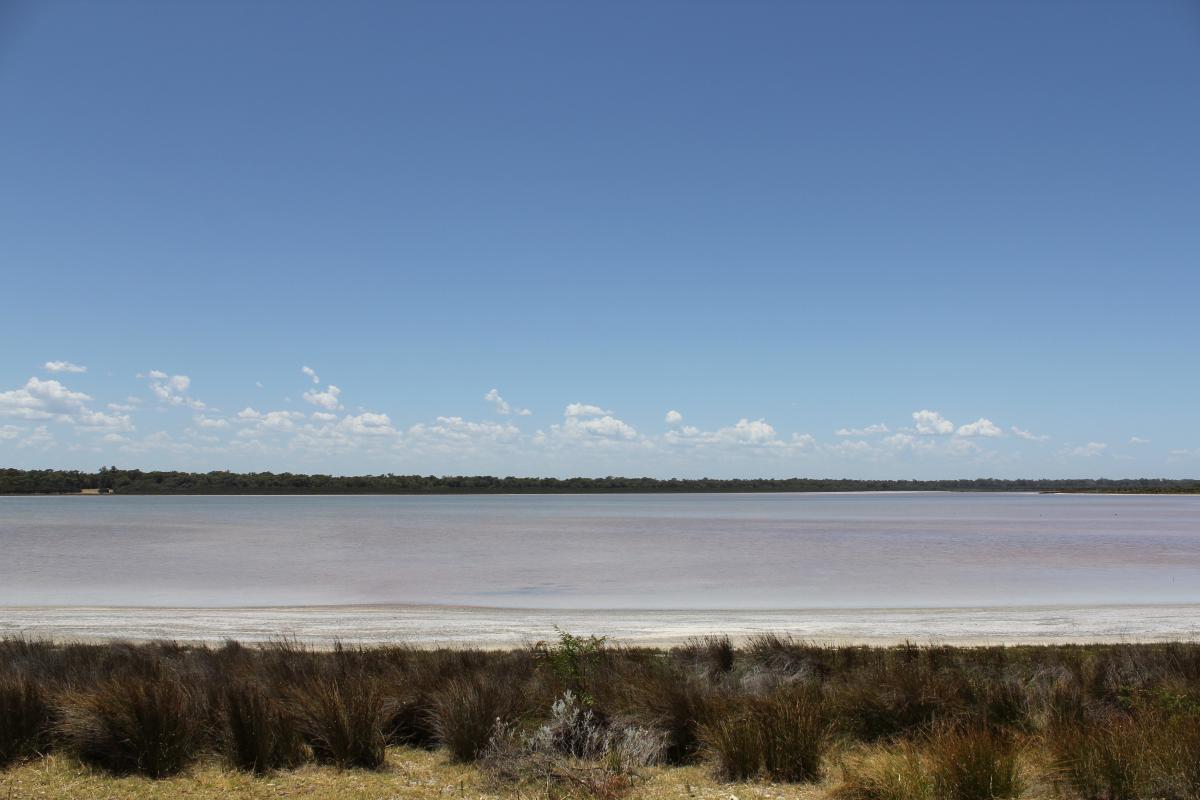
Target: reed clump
[1093, 722]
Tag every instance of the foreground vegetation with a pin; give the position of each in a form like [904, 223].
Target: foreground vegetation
[579, 718]
[134, 481]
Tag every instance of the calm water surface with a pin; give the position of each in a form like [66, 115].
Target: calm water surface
[766, 551]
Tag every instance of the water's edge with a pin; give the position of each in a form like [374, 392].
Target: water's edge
[428, 626]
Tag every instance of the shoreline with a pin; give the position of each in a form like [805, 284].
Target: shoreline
[484, 627]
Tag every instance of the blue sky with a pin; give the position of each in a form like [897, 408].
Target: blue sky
[976, 225]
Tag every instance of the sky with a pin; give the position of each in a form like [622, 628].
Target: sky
[677, 239]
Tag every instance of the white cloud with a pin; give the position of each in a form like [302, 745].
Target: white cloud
[932, 423]
[853, 448]
[39, 399]
[980, 427]
[601, 426]
[40, 437]
[367, 424]
[674, 417]
[588, 425]
[745, 432]
[323, 416]
[870, 430]
[10, 432]
[1138, 440]
[1033, 437]
[327, 399]
[585, 410]
[502, 406]
[448, 433]
[962, 446]
[63, 366]
[172, 389]
[310, 372]
[100, 421]
[803, 440]
[210, 422]
[50, 400]
[1089, 450]
[261, 423]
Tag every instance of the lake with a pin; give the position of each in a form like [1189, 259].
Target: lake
[736, 553]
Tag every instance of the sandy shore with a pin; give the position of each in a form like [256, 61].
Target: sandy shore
[497, 627]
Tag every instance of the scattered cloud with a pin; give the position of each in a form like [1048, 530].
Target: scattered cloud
[501, 405]
[585, 410]
[327, 399]
[367, 424]
[980, 427]
[930, 423]
[1028, 435]
[172, 389]
[1089, 450]
[462, 435]
[325, 428]
[870, 430]
[50, 400]
[62, 366]
[588, 425]
[40, 438]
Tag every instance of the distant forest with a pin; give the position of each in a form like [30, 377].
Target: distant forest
[136, 481]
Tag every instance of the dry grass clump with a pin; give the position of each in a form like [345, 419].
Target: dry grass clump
[260, 735]
[466, 711]
[24, 719]
[147, 724]
[974, 763]
[1109, 722]
[1127, 756]
[343, 718]
[783, 736]
[899, 772]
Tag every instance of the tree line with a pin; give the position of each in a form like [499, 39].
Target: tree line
[136, 481]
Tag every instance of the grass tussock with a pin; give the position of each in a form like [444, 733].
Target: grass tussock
[783, 737]
[466, 711]
[343, 719]
[899, 772]
[974, 763]
[585, 717]
[146, 724]
[24, 719]
[260, 735]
